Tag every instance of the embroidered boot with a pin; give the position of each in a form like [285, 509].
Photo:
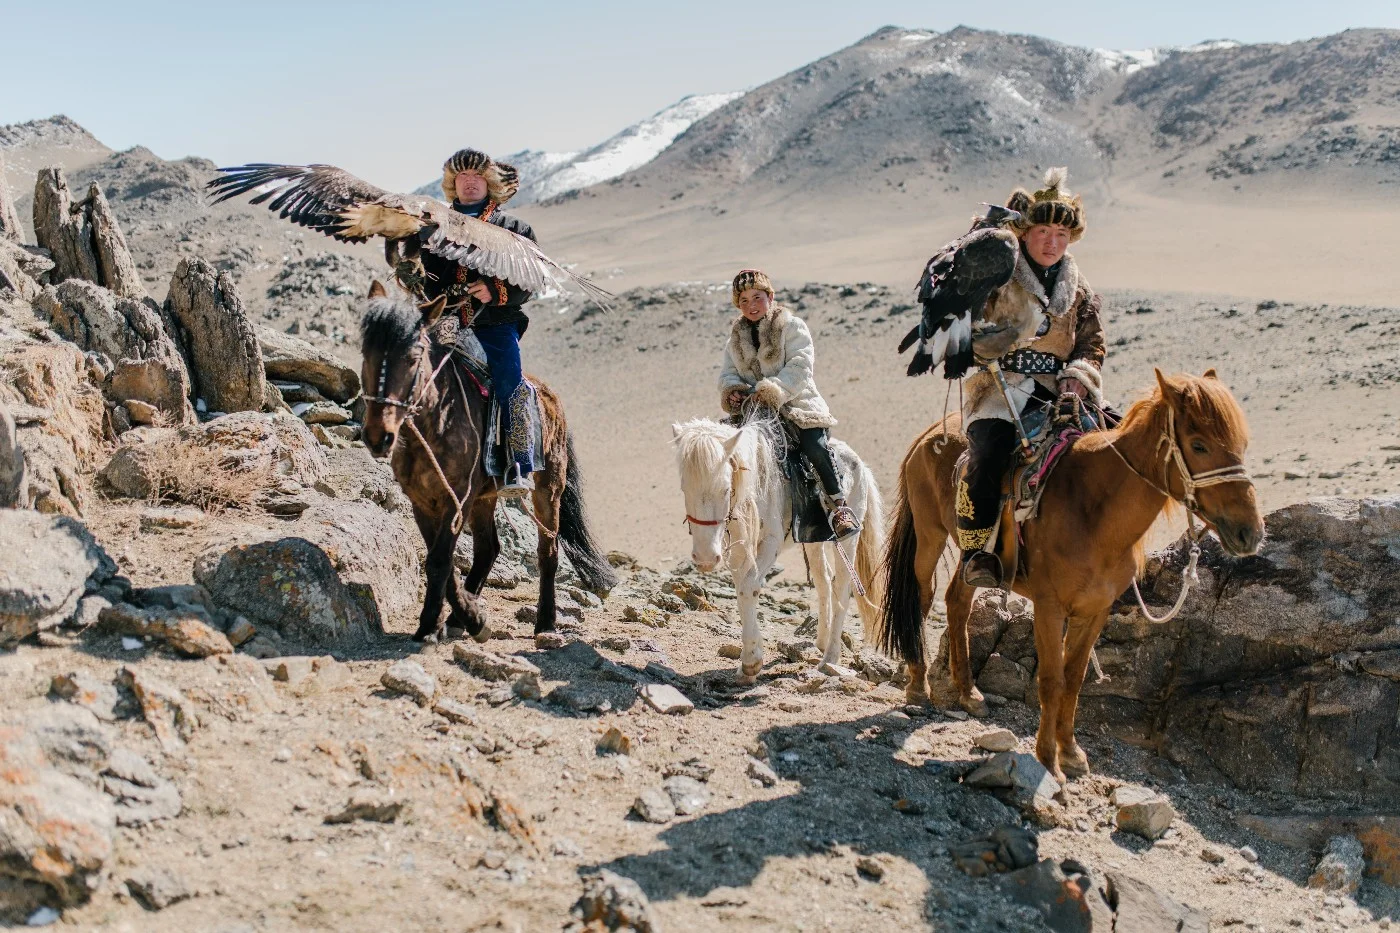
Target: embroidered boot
[844, 523]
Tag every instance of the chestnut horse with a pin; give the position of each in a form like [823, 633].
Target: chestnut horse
[1185, 442]
[429, 419]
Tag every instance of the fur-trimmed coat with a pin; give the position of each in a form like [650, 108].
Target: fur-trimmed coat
[1064, 323]
[778, 370]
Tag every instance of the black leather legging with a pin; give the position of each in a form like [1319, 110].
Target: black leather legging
[815, 449]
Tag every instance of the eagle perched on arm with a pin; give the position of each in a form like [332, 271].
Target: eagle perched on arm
[341, 206]
[955, 286]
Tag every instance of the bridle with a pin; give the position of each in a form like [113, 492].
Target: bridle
[1190, 482]
[729, 516]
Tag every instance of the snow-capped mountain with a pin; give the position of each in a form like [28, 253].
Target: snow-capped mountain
[545, 174]
[1126, 62]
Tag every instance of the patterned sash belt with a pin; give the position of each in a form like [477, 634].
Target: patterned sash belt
[1030, 362]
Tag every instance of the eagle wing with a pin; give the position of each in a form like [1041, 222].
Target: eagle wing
[338, 204]
[953, 290]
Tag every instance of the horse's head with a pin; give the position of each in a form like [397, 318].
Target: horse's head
[1211, 435]
[391, 344]
[712, 468]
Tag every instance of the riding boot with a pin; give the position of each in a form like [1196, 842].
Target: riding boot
[991, 445]
[844, 523]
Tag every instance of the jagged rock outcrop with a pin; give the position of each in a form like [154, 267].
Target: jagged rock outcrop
[147, 367]
[58, 413]
[1282, 672]
[84, 238]
[13, 485]
[20, 269]
[291, 359]
[221, 347]
[9, 217]
[50, 563]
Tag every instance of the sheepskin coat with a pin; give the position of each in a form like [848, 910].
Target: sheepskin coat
[1064, 323]
[779, 371]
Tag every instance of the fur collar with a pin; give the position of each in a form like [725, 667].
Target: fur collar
[1066, 284]
[769, 354]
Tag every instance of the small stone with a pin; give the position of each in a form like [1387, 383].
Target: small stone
[870, 868]
[651, 618]
[157, 889]
[488, 665]
[1020, 780]
[1341, 867]
[43, 917]
[1248, 854]
[290, 670]
[654, 806]
[616, 643]
[612, 902]
[998, 740]
[132, 644]
[371, 806]
[526, 686]
[283, 755]
[615, 742]
[240, 631]
[1212, 855]
[791, 706]
[761, 772]
[550, 641]
[87, 691]
[1142, 812]
[527, 615]
[731, 652]
[691, 768]
[956, 714]
[454, 710]
[687, 794]
[171, 518]
[409, 678]
[666, 699]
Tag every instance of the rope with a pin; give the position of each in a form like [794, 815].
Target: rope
[1188, 577]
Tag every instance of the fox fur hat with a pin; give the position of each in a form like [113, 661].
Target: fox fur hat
[1053, 204]
[502, 180]
[751, 278]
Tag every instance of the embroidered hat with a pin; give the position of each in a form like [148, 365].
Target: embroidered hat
[1053, 204]
[751, 278]
[502, 180]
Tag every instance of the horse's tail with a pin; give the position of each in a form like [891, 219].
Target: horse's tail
[869, 546]
[902, 628]
[576, 539]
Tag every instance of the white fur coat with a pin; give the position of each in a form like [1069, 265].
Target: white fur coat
[778, 371]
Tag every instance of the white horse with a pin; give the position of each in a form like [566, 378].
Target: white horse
[738, 506]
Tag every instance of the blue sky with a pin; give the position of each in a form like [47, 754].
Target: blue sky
[388, 91]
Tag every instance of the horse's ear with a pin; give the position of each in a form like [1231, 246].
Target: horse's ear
[376, 289]
[1210, 374]
[433, 310]
[675, 431]
[1164, 383]
[732, 444]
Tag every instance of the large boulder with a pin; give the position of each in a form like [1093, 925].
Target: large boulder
[13, 487]
[83, 238]
[335, 578]
[227, 461]
[1280, 674]
[50, 562]
[148, 365]
[291, 359]
[55, 830]
[58, 413]
[220, 344]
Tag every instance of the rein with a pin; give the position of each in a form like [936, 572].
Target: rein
[1190, 482]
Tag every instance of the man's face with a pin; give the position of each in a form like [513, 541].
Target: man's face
[470, 187]
[1046, 243]
[754, 303]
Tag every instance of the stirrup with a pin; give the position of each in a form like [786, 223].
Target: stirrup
[844, 523]
[981, 568]
[517, 484]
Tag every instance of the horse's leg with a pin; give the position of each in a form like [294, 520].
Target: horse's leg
[549, 492]
[466, 608]
[748, 583]
[1050, 680]
[817, 564]
[438, 569]
[838, 605]
[1083, 633]
[929, 545]
[957, 689]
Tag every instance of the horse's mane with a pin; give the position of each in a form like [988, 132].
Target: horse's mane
[389, 325]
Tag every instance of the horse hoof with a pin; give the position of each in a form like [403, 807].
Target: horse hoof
[915, 697]
[482, 634]
[549, 641]
[748, 673]
[428, 636]
[974, 706]
[1074, 762]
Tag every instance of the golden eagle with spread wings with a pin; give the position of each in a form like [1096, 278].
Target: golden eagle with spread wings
[338, 204]
[954, 289]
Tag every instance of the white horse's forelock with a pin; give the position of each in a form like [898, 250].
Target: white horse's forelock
[699, 447]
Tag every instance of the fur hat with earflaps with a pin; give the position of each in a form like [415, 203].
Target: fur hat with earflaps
[751, 278]
[1053, 204]
[502, 180]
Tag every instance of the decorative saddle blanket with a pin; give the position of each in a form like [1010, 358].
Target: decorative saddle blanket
[810, 523]
[496, 454]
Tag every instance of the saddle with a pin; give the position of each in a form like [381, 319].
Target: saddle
[470, 359]
[1051, 433]
[809, 523]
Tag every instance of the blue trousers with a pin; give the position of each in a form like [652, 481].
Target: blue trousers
[502, 345]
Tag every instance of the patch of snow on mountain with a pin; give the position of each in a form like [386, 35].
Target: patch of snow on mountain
[1127, 61]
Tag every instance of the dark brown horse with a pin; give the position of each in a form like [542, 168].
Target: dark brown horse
[1186, 442]
[429, 418]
